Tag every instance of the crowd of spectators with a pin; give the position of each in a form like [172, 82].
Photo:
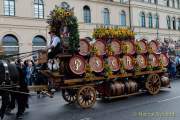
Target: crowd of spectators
[169, 47]
[31, 73]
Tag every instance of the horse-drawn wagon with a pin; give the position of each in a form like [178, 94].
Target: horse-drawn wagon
[115, 65]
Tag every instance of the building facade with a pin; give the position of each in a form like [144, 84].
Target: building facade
[23, 24]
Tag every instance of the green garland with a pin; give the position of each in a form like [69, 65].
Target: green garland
[64, 17]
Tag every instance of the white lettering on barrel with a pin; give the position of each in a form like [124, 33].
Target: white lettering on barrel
[113, 62]
[97, 63]
[77, 62]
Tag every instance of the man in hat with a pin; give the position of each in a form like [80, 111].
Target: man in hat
[55, 46]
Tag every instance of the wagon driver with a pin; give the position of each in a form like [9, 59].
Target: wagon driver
[55, 45]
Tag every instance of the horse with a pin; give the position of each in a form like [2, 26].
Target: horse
[11, 85]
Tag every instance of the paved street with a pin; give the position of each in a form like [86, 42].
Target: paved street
[164, 106]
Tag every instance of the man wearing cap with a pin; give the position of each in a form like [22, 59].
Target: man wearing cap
[55, 45]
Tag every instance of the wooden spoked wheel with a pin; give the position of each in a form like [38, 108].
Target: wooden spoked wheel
[153, 84]
[86, 96]
[69, 95]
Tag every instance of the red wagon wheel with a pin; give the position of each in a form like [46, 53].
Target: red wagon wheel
[86, 96]
[69, 95]
[153, 84]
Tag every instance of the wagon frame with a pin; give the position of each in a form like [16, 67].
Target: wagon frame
[84, 92]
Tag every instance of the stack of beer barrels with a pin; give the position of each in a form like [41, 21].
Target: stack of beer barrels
[122, 56]
[125, 55]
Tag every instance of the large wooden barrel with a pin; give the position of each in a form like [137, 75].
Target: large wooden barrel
[113, 62]
[141, 61]
[96, 63]
[116, 88]
[128, 62]
[163, 59]
[153, 60]
[153, 46]
[165, 81]
[100, 46]
[141, 46]
[84, 47]
[128, 47]
[116, 47]
[77, 65]
[120, 88]
[131, 86]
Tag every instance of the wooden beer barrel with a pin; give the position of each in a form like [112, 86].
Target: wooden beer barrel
[128, 62]
[131, 86]
[77, 65]
[96, 63]
[100, 46]
[128, 47]
[153, 46]
[116, 47]
[153, 60]
[120, 88]
[165, 81]
[141, 46]
[141, 61]
[113, 62]
[84, 47]
[163, 59]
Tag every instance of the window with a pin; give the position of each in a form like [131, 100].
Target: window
[87, 14]
[174, 23]
[10, 44]
[178, 23]
[106, 16]
[178, 4]
[149, 1]
[168, 22]
[38, 42]
[9, 7]
[143, 20]
[123, 18]
[167, 3]
[150, 21]
[38, 8]
[173, 4]
[121, 1]
[156, 2]
[157, 21]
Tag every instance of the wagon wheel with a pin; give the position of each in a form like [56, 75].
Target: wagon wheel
[69, 95]
[86, 96]
[153, 84]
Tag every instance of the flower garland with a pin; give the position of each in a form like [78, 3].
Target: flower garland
[113, 33]
[107, 70]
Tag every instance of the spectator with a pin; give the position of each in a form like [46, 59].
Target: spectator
[172, 67]
[177, 59]
[29, 71]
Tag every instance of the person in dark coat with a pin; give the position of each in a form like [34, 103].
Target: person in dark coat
[22, 99]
